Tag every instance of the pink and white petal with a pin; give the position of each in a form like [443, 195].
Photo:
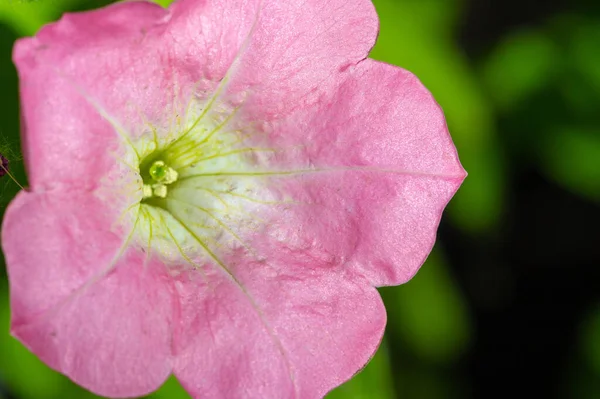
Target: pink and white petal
[275, 336]
[85, 82]
[96, 327]
[113, 337]
[384, 167]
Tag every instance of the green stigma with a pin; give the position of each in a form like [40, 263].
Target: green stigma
[161, 175]
[158, 171]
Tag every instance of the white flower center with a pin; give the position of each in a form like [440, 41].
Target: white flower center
[201, 187]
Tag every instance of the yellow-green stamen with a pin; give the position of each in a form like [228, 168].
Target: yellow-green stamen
[161, 175]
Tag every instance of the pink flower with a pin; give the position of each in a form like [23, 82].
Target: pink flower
[215, 191]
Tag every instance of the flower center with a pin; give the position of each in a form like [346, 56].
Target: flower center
[160, 175]
[201, 186]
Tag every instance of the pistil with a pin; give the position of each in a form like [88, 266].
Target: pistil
[161, 176]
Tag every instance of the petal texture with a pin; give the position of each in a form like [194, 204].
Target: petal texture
[54, 244]
[85, 81]
[206, 36]
[378, 169]
[281, 55]
[106, 325]
[298, 49]
[275, 331]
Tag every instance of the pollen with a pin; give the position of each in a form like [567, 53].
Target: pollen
[162, 173]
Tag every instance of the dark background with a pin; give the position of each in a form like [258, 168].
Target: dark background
[508, 304]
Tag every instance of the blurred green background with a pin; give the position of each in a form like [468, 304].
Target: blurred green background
[509, 301]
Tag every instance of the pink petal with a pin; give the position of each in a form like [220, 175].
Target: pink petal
[54, 243]
[267, 335]
[298, 49]
[206, 36]
[105, 326]
[86, 64]
[288, 53]
[384, 167]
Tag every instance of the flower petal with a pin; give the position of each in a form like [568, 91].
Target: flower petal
[84, 81]
[106, 326]
[381, 168]
[208, 35]
[54, 244]
[298, 50]
[282, 54]
[263, 335]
